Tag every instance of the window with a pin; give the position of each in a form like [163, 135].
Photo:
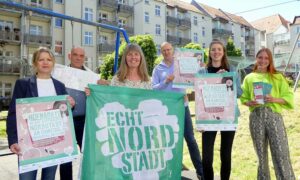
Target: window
[203, 31]
[103, 16]
[203, 45]
[36, 2]
[121, 1]
[157, 10]
[58, 48]
[5, 89]
[298, 29]
[121, 22]
[203, 17]
[59, 1]
[58, 22]
[88, 38]
[157, 29]
[102, 39]
[195, 21]
[298, 44]
[36, 30]
[6, 24]
[146, 1]
[88, 14]
[158, 49]
[196, 37]
[147, 18]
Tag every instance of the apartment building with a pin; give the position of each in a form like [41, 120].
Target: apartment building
[22, 32]
[115, 13]
[277, 33]
[295, 39]
[226, 25]
[186, 23]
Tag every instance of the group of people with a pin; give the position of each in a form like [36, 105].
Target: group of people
[266, 123]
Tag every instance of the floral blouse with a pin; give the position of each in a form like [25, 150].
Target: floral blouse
[132, 84]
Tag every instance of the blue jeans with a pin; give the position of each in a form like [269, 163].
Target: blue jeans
[47, 174]
[191, 142]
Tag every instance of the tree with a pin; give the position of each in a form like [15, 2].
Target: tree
[148, 47]
[231, 50]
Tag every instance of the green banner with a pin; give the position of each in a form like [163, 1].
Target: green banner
[133, 134]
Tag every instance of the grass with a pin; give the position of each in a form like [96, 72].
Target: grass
[244, 160]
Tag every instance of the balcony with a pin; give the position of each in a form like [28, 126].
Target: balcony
[173, 39]
[172, 21]
[220, 31]
[45, 5]
[125, 10]
[249, 39]
[108, 5]
[184, 41]
[9, 65]
[184, 23]
[10, 36]
[105, 47]
[108, 22]
[282, 42]
[249, 52]
[38, 40]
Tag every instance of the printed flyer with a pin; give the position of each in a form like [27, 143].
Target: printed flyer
[45, 132]
[186, 65]
[133, 134]
[215, 101]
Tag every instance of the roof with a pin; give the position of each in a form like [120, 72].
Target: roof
[271, 23]
[219, 13]
[296, 20]
[182, 5]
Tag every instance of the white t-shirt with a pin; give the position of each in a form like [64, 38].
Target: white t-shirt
[45, 87]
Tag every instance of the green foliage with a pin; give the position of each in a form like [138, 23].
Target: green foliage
[231, 50]
[197, 46]
[148, 47]
[158, 60]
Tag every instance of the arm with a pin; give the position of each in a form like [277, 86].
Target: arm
[158, 83]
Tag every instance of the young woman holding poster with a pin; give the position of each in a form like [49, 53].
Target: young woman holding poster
[266, 123]
[38, 85]
[218, 63]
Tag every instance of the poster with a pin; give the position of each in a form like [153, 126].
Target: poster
[133, 134]
[45, 132]
[186, 65]
[74, 78]
[215, 101]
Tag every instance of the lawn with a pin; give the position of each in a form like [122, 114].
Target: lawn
[244, 161]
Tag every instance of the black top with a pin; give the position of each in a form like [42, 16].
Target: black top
[214, 69]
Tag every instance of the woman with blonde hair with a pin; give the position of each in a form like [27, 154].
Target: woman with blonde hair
[39, 85]
[266, 123]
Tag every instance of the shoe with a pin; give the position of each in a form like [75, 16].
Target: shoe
[184, 168]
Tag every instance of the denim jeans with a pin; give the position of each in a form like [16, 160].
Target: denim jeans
[191, 142]
[47, 174]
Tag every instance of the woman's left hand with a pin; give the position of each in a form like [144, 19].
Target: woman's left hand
[71, 101]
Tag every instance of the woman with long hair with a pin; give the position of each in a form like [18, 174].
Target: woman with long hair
[218, 63]
[266, 123]
[39, 85]
[133, 69]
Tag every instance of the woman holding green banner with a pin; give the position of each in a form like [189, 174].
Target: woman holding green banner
[266, 123]
[132, 72]
[218, 63]
[39, 85]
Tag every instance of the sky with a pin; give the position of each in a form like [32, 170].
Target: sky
[288, 10]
